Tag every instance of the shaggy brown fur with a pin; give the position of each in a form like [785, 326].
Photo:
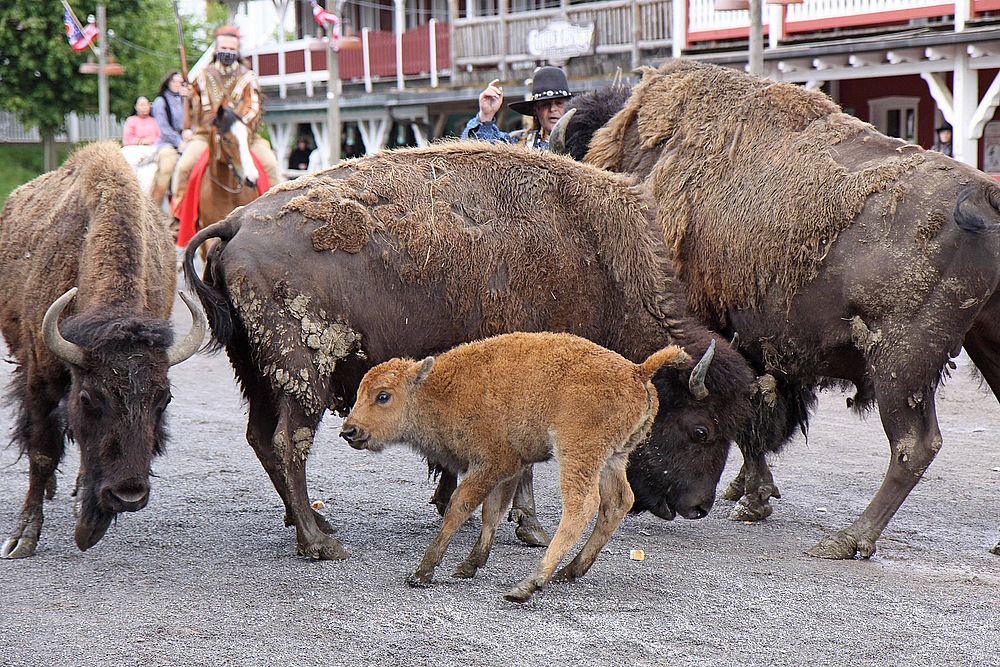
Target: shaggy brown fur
[739, 158]
[491, 408]
[434, 211]
[88, 225]
[838, 255]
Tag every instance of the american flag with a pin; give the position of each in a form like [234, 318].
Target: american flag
[78, 39]
[322, 16]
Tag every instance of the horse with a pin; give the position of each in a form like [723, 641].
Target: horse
[230, 178]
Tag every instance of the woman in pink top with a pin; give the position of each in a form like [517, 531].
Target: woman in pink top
[141, 129]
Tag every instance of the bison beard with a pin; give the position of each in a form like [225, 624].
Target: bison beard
[408, 253]
[838, 255]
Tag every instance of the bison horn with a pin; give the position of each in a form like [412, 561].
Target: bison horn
[557, 138]
[184, 349]
[697, 381]
[69, 352]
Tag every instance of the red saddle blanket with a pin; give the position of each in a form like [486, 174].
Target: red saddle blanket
[187, 209]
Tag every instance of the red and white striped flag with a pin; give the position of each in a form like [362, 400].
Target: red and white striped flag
[322, 16]
[79, 39]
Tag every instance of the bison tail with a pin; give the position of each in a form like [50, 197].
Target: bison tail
[977, 209]
[670, 355]
[212, 296]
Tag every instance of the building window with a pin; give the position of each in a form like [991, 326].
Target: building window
[895, 116]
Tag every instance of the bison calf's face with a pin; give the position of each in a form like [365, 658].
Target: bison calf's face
[379, 415]
[677, 469]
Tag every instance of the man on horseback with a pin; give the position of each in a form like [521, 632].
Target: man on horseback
[226, 81]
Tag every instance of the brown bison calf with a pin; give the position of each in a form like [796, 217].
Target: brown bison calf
[546, 393]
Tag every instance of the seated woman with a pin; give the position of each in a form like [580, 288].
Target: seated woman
[141, 129]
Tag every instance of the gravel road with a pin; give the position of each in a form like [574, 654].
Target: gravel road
[207, 574]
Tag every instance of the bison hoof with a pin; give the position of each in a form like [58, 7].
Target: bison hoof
[21, 547]
[751, 510]
[842, 546]
[322, 523]
[327, 549]
[418, 580]
[521, 593]
[996, 549]
[734, 491]
[530, 532]
[465, 570]
[565, 575]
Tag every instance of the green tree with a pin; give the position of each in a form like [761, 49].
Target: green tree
[39, 73]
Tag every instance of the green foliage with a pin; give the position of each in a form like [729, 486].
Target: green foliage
[39, 72]
[19, 163]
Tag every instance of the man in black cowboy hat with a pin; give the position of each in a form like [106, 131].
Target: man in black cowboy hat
[547, 102]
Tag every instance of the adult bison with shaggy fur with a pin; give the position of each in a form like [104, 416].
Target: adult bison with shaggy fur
[88, 231]
[409, 253]
[839, 255]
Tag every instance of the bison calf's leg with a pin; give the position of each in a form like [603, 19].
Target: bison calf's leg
[616, 501]
[914, 440]
[581, 498]
[467, 497]
[493, 507]
[523, 512]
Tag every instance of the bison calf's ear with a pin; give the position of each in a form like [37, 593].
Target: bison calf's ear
[424, 370]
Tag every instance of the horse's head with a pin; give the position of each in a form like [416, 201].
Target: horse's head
[231, 140]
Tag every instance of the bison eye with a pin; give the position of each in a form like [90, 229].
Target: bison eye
[383, 397]
[700, 434]
[89, 403]
[85, 399]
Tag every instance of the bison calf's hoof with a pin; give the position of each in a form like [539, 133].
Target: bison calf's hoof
[465, 570]
[417, 580]
[996, 549]
[521, 593]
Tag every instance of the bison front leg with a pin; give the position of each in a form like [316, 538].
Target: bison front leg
[528, 530]
[752, 489]
[45, 446]
[910, 421]
[292, 441]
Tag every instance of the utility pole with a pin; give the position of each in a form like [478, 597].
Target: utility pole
[103, 96]
[756, 38]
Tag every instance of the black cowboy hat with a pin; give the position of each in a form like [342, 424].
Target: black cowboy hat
[548, 83]
[943, 127]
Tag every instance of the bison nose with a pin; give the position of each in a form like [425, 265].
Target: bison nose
[696, 512]
[354, 436]
[130, 496]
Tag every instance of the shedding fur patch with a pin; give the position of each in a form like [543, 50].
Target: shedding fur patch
[449, 210]
[742, 158]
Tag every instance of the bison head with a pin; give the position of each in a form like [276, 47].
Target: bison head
[385, 395]
[677, 469]
[119, 390]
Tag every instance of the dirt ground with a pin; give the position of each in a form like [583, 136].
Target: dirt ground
[207, 574]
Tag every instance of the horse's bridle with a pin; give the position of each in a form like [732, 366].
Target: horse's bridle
[218, 156]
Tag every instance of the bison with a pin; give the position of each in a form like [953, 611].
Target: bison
[840, 256]
[87, 230]
[412, 252]
[491, 408]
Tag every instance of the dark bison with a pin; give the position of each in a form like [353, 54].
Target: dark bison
[838, 255]
[409, 253]
[87, 230]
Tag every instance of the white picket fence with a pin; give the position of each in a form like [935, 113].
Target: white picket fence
[78, 128]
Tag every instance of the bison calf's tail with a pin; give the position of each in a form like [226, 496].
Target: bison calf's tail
[670, 355]
[211, 295]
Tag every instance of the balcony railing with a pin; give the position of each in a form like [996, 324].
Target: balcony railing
[621, 26]
[302, 62]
